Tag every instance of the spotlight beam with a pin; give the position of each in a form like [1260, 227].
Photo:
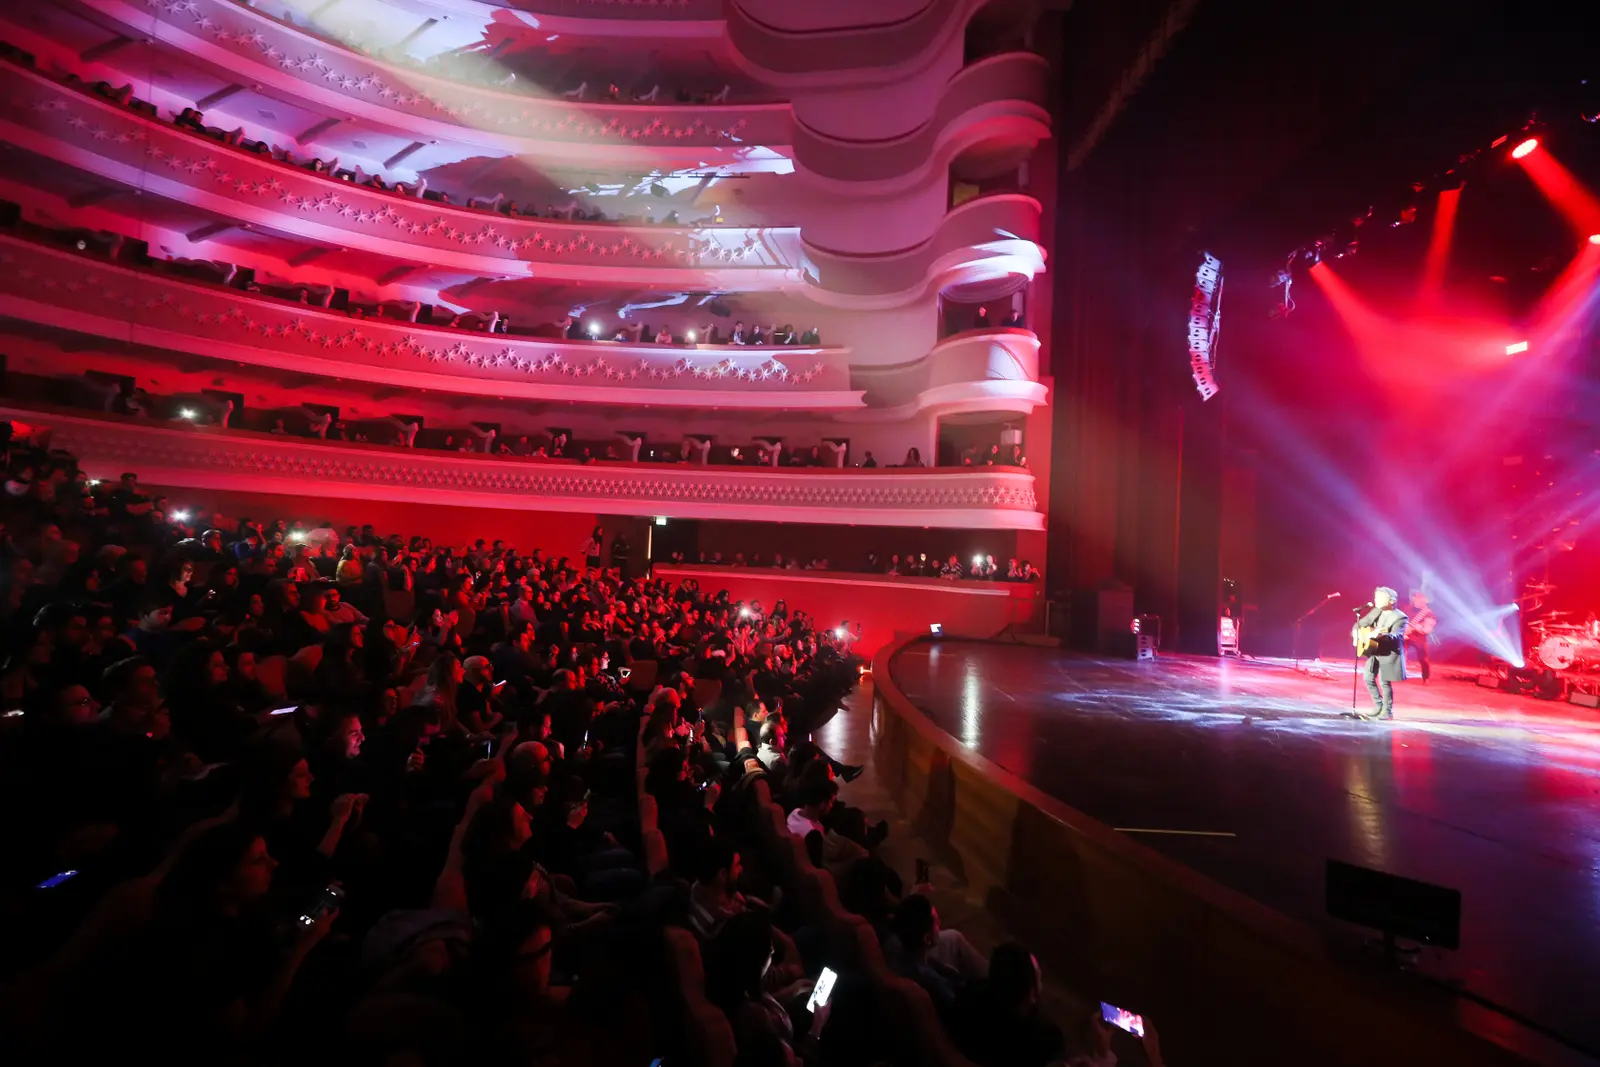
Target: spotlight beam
[1439, 241]
[1566, 192]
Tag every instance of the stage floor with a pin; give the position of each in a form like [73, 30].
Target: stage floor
[1493, 794]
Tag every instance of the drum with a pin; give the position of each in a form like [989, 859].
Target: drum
[1562, 651]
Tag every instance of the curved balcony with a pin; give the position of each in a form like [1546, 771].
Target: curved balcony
[93, 134]
[879, 52]
[57, 288]
[633, 11]
[984, 249]
[998, 103]
[247, 45]
[989, 370]
[200, 458]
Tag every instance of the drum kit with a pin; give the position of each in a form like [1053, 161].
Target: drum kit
[1561, 643]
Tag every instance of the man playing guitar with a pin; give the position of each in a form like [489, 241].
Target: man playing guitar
[1418, 629]
[1379, 635]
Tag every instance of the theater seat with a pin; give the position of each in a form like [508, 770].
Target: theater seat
[300, 671]
[270, 671]
[643, 676]
[706, 692]
[909, 1013]
[708, 1033]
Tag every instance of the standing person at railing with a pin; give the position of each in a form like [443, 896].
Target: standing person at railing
[591, 549]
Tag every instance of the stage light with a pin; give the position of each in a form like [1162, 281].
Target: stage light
[1525, 148]
[744, 613]
[1513, 349]
[838, 633]
[186, 413]
[690, 334]
[180, 516]
[661, 520]
[977, 561]
[93, 482]
[1594, 238]
[594, 329]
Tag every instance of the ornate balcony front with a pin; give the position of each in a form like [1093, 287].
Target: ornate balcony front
[57, 288]
[95, 135]
[198, 458]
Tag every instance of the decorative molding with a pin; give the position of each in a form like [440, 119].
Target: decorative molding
[215, 459]
[79, 129]
[64, 289]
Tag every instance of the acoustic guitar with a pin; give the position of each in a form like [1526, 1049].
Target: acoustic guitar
[1368, 639]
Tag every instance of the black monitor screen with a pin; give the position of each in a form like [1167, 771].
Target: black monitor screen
[1400, 906]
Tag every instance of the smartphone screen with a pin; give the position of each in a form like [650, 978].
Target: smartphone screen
[1122, 1019]
[285, 711]
[624, 672]
[822, 990]
[56, 879]
[329, 899]
[486, 749]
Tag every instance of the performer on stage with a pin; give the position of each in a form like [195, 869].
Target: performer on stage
[1380, 635]
[1419, 628]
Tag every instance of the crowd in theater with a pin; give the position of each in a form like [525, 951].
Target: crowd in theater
[284, 791]
[982, 567]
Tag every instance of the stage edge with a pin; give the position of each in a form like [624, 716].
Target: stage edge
[1226, 978]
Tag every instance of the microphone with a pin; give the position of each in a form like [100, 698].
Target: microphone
[1363, 609]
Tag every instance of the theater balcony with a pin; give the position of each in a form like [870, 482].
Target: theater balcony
[379, 84]
[248, 64]
[203, 458]
[61, 289]
[991, 371]
[982, 249]
[995, 106]
[77, 129]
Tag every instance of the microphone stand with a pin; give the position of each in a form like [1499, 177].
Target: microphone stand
[1296, 643]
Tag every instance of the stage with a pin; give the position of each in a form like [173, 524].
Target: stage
[1248, 772]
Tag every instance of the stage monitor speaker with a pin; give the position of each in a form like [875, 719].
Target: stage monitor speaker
[1587, 700]
[1490, 681]
[1395, 906]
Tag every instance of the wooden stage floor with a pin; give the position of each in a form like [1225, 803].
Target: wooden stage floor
[1494, 794]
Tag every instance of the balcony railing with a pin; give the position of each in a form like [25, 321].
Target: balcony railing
[88, 295]
[201, 458]
[256, 47]
[94, 134]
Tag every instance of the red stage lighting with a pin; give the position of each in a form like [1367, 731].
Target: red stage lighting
[1520, 346]
[1524, 148]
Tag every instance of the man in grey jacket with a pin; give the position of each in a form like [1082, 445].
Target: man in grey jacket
[1386, 652]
